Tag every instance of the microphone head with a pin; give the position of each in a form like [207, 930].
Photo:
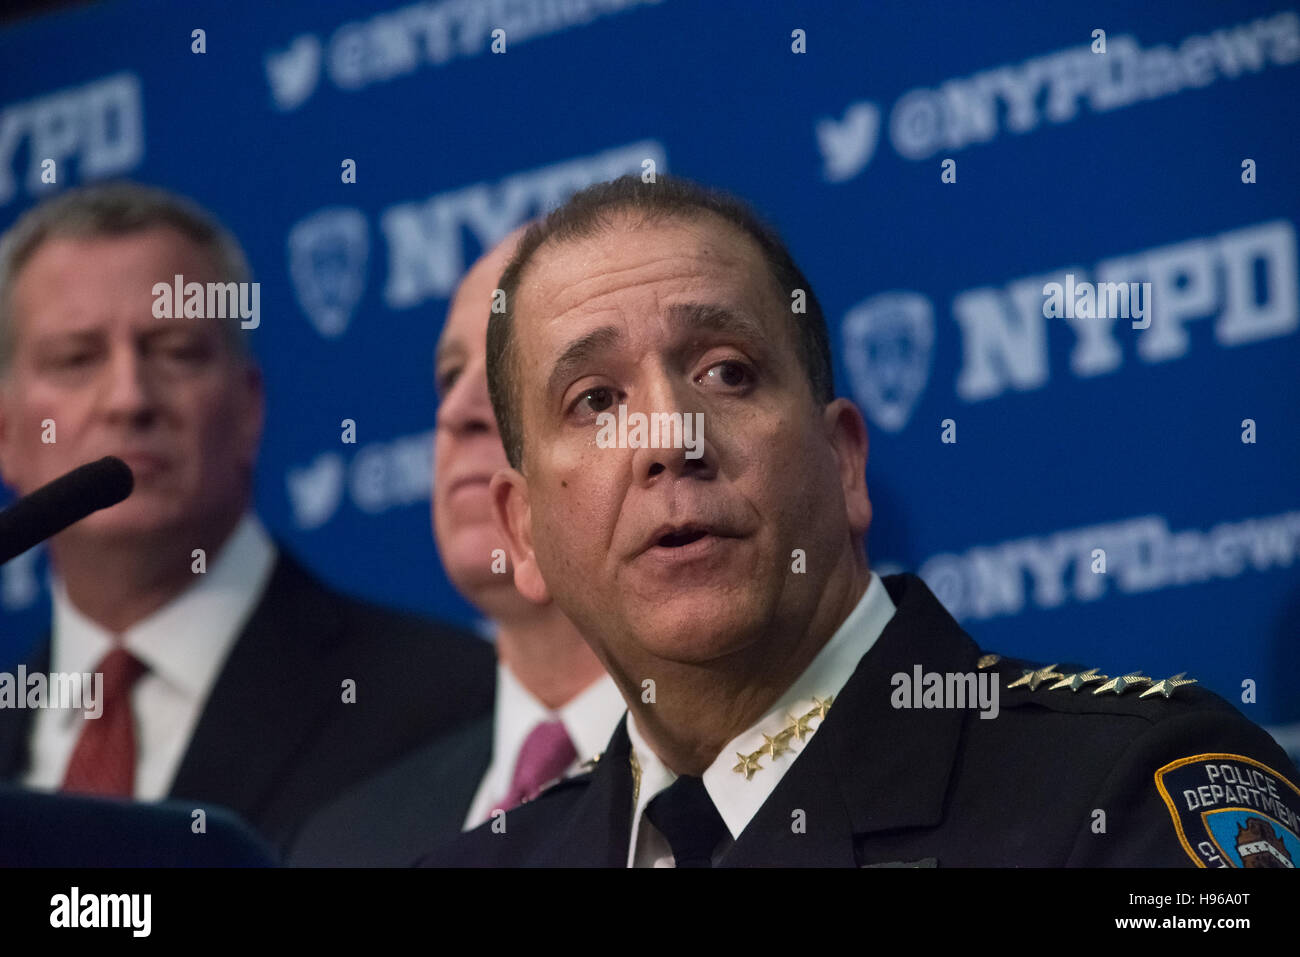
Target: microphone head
[56, 505]
[108, 481]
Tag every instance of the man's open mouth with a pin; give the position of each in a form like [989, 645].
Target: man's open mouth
[681, 537]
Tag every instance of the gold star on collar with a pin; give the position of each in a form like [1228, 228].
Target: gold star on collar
[987, 661]
[799, 726]
[775, 747]
[1167, 685]
[1035, 678]
[748, 764]
[1123, 683]
[1076, 681]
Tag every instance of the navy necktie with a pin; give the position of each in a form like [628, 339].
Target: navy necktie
[686, 816]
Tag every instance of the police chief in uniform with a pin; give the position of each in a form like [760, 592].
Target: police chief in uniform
[787, 705]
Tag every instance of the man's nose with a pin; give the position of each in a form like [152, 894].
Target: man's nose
[466, 409]
[128, 390]
[676, 419]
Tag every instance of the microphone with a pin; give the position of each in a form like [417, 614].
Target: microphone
[55, 506]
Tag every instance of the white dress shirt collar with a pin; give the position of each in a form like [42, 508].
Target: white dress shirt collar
[185, 644]
[186, 641]
[589, 717]
[736, 796]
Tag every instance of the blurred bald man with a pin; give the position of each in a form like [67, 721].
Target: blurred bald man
[555, 706]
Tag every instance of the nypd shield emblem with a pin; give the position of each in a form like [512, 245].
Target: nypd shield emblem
[888, 341]
[328, 253]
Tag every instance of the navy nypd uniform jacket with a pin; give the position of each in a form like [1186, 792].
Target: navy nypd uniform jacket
[1062, 776]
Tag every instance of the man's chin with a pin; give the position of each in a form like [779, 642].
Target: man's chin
[696, 633]
[131, 521]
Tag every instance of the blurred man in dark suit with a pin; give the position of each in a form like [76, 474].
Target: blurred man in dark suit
[555, 706]
[232, 675]
[787, 705]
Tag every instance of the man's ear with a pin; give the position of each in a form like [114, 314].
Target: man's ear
[514, 517]
[847, 432]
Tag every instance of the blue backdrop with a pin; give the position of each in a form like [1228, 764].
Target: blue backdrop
[1071, 434]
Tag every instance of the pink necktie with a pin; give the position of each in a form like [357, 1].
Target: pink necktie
[103, 761]
[547, 751]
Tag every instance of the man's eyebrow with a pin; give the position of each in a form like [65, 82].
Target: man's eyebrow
[446, 349]
[579, 351]
[689, 316]
[67, 335]
[169, 328]
[713, 318]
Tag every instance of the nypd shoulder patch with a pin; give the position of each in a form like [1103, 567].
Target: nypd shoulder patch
[1232, 811]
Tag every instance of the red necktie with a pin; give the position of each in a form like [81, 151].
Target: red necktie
[103, 762]
[547, 751]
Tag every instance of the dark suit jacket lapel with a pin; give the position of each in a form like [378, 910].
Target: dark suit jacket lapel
[264, 704]
[870, 767]
[467, 753]
[599, 827]
[420, 803]
[428, 795]
[16, 723]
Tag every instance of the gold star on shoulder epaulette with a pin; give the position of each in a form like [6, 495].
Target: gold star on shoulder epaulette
[586, 767]
[1077, 680]
[1035, 677]
[775, 745]
[1123, 683]
[987, 661]
[1166, 686]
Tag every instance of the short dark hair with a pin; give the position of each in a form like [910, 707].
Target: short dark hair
[591, 212]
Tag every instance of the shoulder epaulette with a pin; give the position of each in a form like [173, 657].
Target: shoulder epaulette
[579, 775]
[1049, 678]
